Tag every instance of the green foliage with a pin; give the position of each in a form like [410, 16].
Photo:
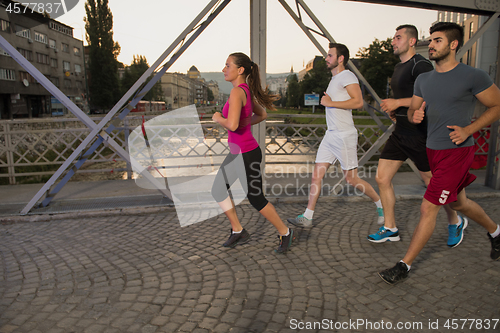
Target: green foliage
[103, 84]
[282, 100]
[210, 94]
[133, 72]
[315, 81]
[377, 64]
[293, 92]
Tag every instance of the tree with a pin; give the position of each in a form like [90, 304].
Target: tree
[282, 100]
[316, 80]
[377, 64]
[293, 91]
[210, 95]
[134, 72]
[104, 87]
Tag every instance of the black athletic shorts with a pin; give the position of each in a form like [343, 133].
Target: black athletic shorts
[400, 147]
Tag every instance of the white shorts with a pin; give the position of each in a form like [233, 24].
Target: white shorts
[339, 146]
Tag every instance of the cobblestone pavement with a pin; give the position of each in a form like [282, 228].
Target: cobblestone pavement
[144, 273]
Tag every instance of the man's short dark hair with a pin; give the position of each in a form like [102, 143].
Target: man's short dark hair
[452, 31]
[411, 31]
[342, 50]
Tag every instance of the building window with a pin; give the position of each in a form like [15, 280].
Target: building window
[53, 63]
[39, 37]
[3, 52]
[76, 51]
[26, 53]
[4, 25]
[65, 47]
[23, 32]
[7, 74]
[67, 83]
[55, 81]
[42, 58]
[26, 76]
[79, 85]
[78, 69]
[60, 28]
[66, 66]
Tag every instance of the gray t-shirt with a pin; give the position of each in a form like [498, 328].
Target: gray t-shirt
[450, 100]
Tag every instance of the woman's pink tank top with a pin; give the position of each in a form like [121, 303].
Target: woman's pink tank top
[242, 140]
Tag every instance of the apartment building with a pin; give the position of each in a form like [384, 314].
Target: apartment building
[50, 46]
[180, 90]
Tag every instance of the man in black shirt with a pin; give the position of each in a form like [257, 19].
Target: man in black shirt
[407, 140]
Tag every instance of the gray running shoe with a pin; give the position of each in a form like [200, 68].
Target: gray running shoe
[235, 239]
[301, 221]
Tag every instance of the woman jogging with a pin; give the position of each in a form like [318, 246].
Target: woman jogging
[245, 107]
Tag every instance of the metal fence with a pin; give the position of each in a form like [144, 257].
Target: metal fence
[38, 147]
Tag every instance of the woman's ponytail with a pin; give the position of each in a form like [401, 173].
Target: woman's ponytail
[252, 74]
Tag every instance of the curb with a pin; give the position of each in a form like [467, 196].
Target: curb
[11, 219]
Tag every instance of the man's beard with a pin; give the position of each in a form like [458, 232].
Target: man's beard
[334, 65]
[401, 51]
[438, 57]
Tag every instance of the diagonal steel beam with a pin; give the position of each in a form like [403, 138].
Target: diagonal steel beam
[125, 98]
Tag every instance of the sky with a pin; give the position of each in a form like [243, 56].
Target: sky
[149, 27]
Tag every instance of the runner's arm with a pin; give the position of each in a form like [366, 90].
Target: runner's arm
[489, 98]
[355, 102]
[415, 106]
[236, 102]
[260, 113]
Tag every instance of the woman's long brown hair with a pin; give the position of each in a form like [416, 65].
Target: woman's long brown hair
[252, 75]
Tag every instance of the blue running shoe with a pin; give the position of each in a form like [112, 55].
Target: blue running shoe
[384, 235]
[456, 234]
[381, 218]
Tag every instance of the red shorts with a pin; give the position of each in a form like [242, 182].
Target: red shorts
[450, 174]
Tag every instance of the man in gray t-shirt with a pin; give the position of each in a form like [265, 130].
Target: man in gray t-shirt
[450, 98]
[446, 97]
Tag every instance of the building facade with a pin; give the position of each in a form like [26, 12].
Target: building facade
[50, 46]
[178, 90]
[181, 90]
